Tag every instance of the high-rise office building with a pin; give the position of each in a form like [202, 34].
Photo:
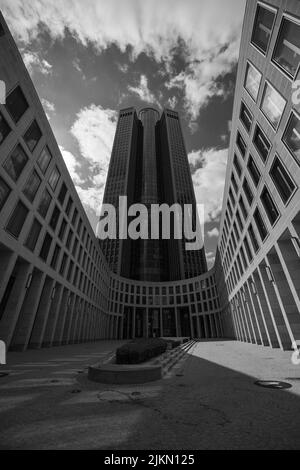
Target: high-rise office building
[149, 165]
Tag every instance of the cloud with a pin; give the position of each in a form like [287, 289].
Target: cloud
[210, 257]
[72, 164]
[94, 130]
[76, 65]
[143, 92]
[213, 233]
[156, 28]
[209, 179]
[172, 102]
[35, 63]
[48, 106]
[200, 81]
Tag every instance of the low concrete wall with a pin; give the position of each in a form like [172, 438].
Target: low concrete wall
[124, 374]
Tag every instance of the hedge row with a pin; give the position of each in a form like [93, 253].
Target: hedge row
[138, 351]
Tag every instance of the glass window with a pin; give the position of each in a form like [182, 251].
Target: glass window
[272, 105]
[32, 135]
[33, 235]
[54, 218]
[17, 219]
[252, 81]
[243, 207]
[69, 205]
[248, 250]
[248, 192]
[44, 159]
[63, 264]
[4, 129]
[54, 177]
[44, 203]
[15, 163]
[287, 50]
[62, 229]
[241, 144]
[269, 205]
[16, 104]
[74, 218]
[260, 224]
[237, 165]
[282, 180]
[234, 183]
[253, 170]
[55, 256]
[62, 193]
[246, 117]
[32, 185]
[291, 136]
[253, 238]
[263, 24]
[69, 239]
[46, 247]
[4, 192]
[261, 143]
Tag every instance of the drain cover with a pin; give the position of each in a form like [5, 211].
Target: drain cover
[135, 393]
[3, 374]
[273, 384]
[179, 375]
[75, 391]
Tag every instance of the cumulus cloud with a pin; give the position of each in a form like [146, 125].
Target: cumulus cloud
[172, 102]
[48, 106]
[155, 28]
[94, 130]
[213, 233]
[143, 92]
[72, 164]
[209, 179]
[35, 63]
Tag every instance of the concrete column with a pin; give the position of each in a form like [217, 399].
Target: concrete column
[275, 309]
[246, 318]
[53, 314]
[11, 313]
[8, 261]
[265, 309]
[42, 313]
[255, 312]
[61, 319]
[68, 320]
[28, 311]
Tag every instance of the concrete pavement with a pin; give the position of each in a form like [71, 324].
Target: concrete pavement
[208, 401]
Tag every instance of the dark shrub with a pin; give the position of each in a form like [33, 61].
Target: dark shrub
[138, 351]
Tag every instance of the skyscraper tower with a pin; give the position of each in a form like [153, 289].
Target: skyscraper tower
[149, 165]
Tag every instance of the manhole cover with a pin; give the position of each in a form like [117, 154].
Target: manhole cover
[179, 375]
[273, 384]
[54, 381]
[3, 374]
[75, 391]
[135, 393]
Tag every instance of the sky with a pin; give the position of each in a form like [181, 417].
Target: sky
[89, 59]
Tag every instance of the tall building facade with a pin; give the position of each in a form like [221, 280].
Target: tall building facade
[149, 165]
[258, 261]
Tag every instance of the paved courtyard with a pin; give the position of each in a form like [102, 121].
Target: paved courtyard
[208, 401]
